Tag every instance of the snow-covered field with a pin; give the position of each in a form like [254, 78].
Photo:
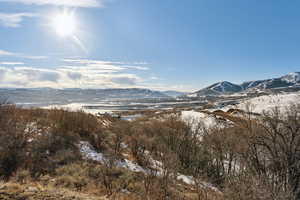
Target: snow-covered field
[267, 103]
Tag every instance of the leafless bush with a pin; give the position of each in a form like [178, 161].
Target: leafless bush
[12, 140]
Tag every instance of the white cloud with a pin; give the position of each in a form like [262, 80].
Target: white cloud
[79, 73]
[82, 76]
[137, 68]
[6, 53]
[21, 55]
[69, 3]
[14, 20]
[68, 77]
[32, 57]
[11, 63]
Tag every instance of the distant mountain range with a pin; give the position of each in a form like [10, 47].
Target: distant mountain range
[289, 81]
[46, 96]
[49, 96]
[172, 93]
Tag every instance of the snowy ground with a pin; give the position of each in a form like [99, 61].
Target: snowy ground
[194, 118]
[89, 153]
[79, 107]
[268, 102]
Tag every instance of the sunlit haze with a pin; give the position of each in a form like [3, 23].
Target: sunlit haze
[64, 23]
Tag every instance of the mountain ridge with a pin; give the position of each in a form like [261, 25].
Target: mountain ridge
[225, 87]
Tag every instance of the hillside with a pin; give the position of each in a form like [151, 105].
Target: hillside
[176, 155]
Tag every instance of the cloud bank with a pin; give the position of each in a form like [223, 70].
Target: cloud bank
[74, 74]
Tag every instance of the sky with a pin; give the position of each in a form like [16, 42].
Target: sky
[161, 45]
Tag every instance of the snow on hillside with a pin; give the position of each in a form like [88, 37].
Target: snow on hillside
[293, 77]
[226, 86]
[71, 107]
[194, 118]
[89, 153]
[269, 102]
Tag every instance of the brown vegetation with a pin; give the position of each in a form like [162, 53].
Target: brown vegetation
[256, 160]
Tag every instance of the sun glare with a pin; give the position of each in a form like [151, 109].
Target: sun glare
[64, 24]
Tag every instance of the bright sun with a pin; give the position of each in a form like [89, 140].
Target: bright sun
[64, 24]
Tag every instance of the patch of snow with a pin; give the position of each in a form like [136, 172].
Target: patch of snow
[190, 181]
[192, 95]
[31, 128]
[193, 118]
[124, 145]
[130, 166]
[71, 107]
[79, 107]
[89, 153]
[186, 179]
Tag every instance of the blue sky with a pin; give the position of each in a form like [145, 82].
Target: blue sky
[177, 45]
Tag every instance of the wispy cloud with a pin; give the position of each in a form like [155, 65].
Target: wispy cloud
[107, 65]
[29, 77]
[32, 57]
[14, 20]
[70, 3]
[11, 63]
[6, 53]
[75, 73]
[20, 55]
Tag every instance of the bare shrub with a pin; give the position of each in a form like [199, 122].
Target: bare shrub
[12, 140]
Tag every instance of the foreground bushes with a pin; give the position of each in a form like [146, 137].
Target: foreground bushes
[42, 140]
[256, 159]
[12, 139]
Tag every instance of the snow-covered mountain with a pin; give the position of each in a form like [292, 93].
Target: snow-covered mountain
[289, 81]
[220, 88]
[251, 84]
[293, 77]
